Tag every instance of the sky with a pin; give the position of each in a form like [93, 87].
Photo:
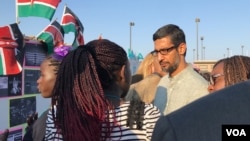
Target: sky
[224, 24]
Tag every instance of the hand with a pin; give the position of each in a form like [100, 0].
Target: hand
[4, 135]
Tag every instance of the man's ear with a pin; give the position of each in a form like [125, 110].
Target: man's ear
[182, 48]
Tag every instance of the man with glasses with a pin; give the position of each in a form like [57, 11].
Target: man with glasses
[182, 85]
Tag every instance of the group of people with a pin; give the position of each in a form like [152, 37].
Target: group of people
[95, 97]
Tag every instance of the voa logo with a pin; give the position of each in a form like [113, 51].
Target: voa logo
[236, 132]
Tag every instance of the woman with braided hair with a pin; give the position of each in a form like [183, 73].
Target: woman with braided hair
[35, 130]
[87, 101]
[229, 71]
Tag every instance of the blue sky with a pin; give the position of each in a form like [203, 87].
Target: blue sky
[223, 23]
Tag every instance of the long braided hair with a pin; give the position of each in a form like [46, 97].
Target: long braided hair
[236, 69]
[83, 76]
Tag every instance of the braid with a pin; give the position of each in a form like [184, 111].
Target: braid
[54, 62]
[218, 62]
[236, 69]
[246, 61]
[109, 61]
[83, 76]
[136, 112]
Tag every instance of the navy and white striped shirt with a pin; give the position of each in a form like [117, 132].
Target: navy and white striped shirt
[120, 130]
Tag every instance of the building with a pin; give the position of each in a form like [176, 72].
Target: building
[204, 65]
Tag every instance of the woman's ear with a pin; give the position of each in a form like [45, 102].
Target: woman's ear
[122, 73]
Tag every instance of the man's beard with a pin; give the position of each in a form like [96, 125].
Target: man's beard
[171, 68]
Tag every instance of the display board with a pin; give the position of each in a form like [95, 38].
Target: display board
[19, 96]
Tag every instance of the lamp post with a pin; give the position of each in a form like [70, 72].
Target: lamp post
[193, 55]
[227, 52]
[242, 52]
[197, 20]
[204, 52]
[202, 38]
[130, 36]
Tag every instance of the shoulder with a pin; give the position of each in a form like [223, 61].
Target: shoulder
[194, 77]
[41, 120]
[163, 130]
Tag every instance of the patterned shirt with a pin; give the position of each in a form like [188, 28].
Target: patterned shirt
[51, 133]
[120, 132]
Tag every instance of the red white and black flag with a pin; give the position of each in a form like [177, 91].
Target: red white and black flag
[71, 23]
[11, 42]
[52, 35]
[37, 8]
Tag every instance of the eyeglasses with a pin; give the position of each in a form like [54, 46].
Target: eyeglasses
[163, 51]
[214, 77]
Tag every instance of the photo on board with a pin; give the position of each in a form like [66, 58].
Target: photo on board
[34, 54]
[15, 85]
[15, 135]
[3, 86]
[20, 109]
[30, 78]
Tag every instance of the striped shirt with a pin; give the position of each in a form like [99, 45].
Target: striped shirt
[120, 132]
[51, 133]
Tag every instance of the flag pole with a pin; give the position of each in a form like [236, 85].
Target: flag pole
[17, 21]
[64, 9]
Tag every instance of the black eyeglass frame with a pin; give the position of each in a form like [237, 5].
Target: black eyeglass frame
[163, 51]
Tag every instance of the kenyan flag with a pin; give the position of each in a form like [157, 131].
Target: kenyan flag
[9, 36]
[52, 35]
[37, 8]
[71, 23]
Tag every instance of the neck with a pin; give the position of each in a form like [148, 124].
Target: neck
[113, 95]
[114, 99]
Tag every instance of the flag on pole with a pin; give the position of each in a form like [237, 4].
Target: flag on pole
[37, 8]
[9, 37]
[71, 23]
[139, 56]
[52, 35]
[131, 54]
